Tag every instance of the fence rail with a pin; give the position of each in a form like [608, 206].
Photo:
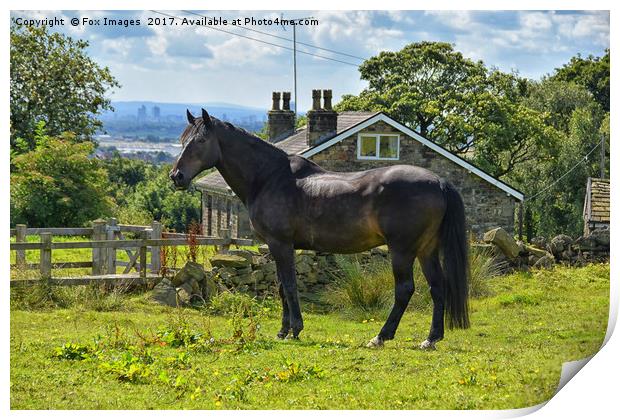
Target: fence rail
[106, 239]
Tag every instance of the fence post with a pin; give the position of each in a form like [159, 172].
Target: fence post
[111, 252]
[98, 253]
[20, 255]
[155, 254]
[143, 258]
[225, 234]
[46, 255]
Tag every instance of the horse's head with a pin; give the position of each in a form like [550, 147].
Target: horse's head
[200, 150]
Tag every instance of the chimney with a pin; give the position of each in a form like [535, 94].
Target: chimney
[281, 121]
[322, 122]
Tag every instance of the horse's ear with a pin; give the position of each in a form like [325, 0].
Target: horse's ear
[206, 119]
[190, 117]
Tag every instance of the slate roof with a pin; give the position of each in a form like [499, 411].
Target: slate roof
[293, 145]
[596, 207]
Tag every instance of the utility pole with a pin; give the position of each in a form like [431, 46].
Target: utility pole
[295, 66]
[294, 57]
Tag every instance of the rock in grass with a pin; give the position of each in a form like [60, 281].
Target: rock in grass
[228, 260]
[190, 271]
[504, 241]
[242, 253]
[546, 262]
[165, 293]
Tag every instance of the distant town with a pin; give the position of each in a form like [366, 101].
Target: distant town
[150, 130]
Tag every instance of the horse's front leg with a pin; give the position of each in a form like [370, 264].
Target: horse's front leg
[284, 255]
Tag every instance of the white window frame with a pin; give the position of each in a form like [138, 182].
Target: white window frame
[377, 144]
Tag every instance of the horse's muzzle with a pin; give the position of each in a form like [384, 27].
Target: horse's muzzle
[180, 181]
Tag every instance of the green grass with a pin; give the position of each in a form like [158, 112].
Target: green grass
[511, 357]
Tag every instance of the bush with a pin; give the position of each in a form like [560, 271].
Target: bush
[363, 292]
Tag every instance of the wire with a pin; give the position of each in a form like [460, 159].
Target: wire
[566, 173]
[262, 41]
[284, 38]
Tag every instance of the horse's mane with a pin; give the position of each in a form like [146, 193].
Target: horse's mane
[225, 125]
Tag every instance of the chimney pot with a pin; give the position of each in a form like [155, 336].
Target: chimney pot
[322, 122]
[286, 101]
[316, 99]
[327, 99]
[281, 122]
[276, 101]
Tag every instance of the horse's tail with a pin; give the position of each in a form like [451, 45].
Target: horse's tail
[455, 253]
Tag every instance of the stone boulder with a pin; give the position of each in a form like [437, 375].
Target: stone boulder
[242, 253]
[190, 271]
[539, 242]
[184, 293]
[559, 244]
[545, 262]
[601, 236]
[165, 293]
[229, 260]
[536, 252]
[504, 241]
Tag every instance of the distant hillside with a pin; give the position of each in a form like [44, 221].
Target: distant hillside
[216, 109]
[140, 119]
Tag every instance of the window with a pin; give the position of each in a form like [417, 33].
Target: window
[378, 146]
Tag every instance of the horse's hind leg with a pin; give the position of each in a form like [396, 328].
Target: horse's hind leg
[431, 268]
[402, 267]
[286, 323]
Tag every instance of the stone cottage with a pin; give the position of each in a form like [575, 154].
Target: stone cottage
[355, 141]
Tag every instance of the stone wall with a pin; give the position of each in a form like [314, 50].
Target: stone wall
[255, 272]
[486, 206]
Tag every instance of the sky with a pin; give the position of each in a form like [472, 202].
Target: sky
[196, 64]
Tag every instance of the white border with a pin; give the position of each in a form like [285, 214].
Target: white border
[382, 117]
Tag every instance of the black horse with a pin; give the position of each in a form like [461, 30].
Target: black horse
[295, 204]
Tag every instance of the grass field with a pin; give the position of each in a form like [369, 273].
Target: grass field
[149, 357]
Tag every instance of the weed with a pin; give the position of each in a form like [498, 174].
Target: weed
[74, 351]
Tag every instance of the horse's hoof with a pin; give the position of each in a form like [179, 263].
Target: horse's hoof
[292, 337]
[428, 345]
[281, 335]
[375, 343]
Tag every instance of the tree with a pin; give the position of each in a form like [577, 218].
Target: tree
[156, 196]
[591, 73]
[57, 184]
[457, 103]
[53, 80]
[427, 86]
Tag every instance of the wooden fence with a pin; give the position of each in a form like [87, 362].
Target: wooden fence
[106, 238]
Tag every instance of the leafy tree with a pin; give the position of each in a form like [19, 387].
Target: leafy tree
[591, 73]
[57, 184]
[457, 103]
[578, 122]
[427, 86]
[53, 80]
[156, 197]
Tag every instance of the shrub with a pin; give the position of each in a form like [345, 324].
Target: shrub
[368, 291]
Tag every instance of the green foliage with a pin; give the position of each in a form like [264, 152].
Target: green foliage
[73, 351]
[579, 124]
[456, 102]
[129, 367]
[54, 81]
[241, 304]
[58, 184]
[363, 292]
[592, 72]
